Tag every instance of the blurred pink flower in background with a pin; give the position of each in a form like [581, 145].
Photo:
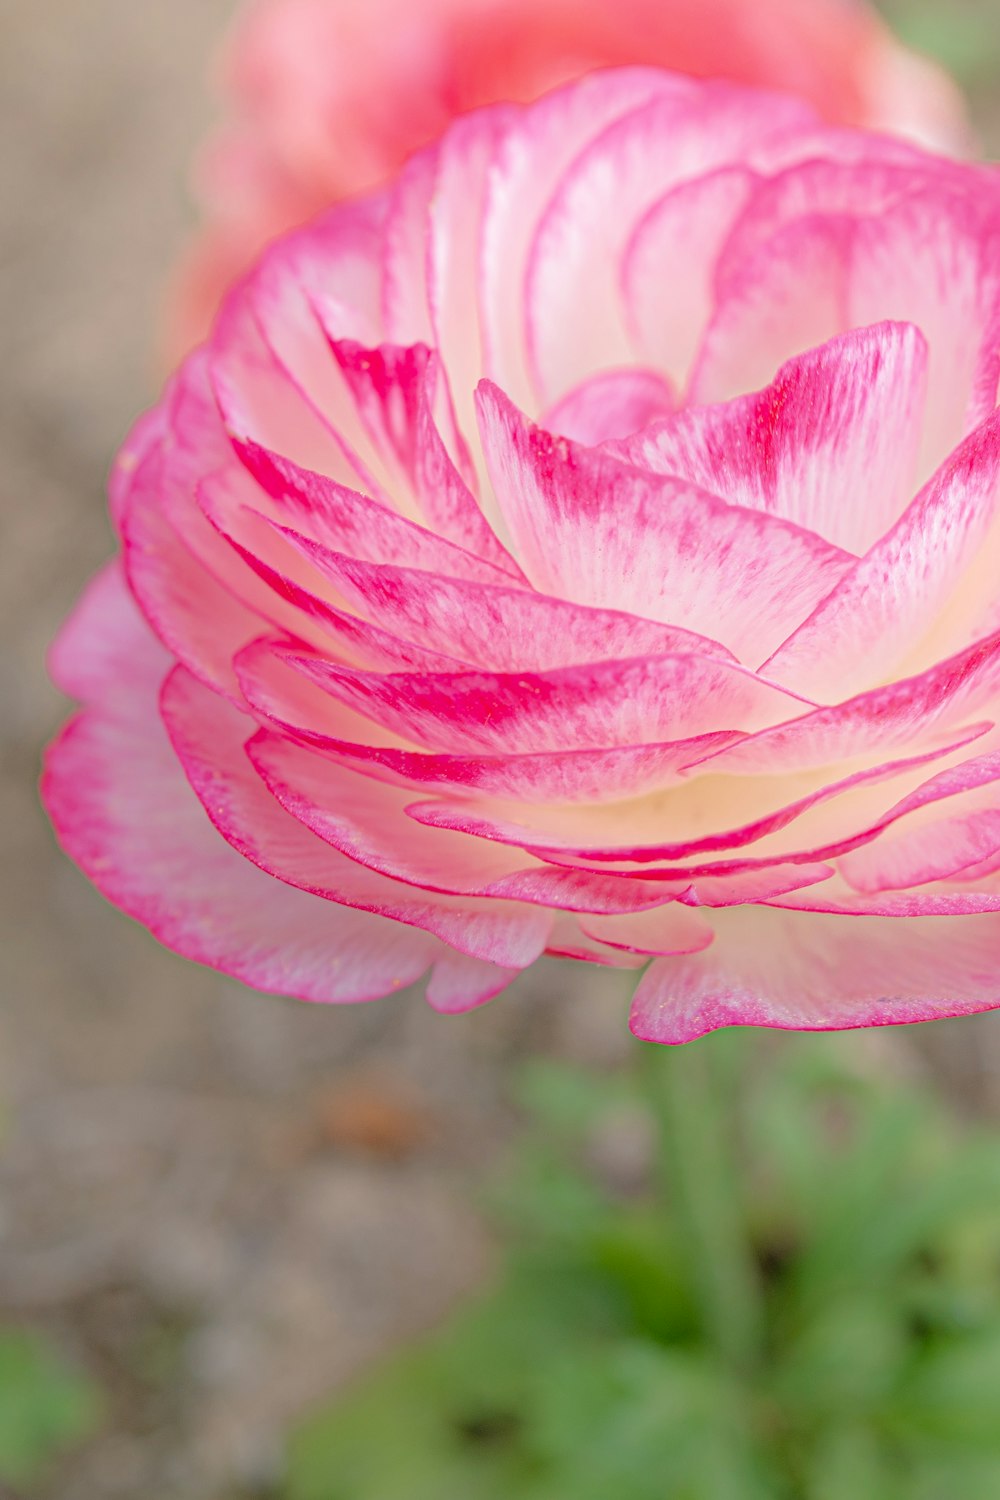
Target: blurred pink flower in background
[470, 607]
[326, 98]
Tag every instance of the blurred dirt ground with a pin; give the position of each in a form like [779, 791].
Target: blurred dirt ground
[222, 1204]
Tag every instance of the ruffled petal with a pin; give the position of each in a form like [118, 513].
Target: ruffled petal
[601, 532]
[209, 739]
[831, 444]
[124, 811]
[820, 973]
[883, 610]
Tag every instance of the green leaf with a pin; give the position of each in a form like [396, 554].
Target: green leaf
[801, 1304]
[638, 1254]
[849, 1463]
[845, 1362]
[405, 1434]
[46, 1406]
[968, 1476]
[639, 1422]
[953, 1394]
[863, 1188]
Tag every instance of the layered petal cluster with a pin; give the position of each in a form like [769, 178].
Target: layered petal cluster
[325, 98]
[588, 546]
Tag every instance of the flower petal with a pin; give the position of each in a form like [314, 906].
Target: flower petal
[598, 531]
[124, 811]
[496, 628]
[820, 973]
[882, 610]
[668, 267]
[596, 705]
[583, 235]
[209, 737]
[831, 444]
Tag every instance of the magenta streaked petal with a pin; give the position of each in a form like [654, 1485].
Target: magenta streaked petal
[282, 697]
[908, 712]
[830, 445]
[572, 835]
[329, 514]
[366, 819]
[498, 628]
[202, 623]
[877, 613]
[603, 532]
[591, 706]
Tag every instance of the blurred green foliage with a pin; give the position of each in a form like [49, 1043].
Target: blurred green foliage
[962, 35]
[795, 1295]
[46, 1406]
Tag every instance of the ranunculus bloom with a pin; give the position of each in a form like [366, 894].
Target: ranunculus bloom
[327, 97]
[589, 546]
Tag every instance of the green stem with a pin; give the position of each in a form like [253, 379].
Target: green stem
[699, 1176]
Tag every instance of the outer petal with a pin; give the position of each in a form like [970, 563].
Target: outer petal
[192, 612]
[366, 820]
[459, 983]
[821, 973]
[209, 738]
[124, 811]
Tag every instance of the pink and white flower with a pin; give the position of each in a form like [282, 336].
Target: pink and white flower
[588, 546]
[327, 98]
